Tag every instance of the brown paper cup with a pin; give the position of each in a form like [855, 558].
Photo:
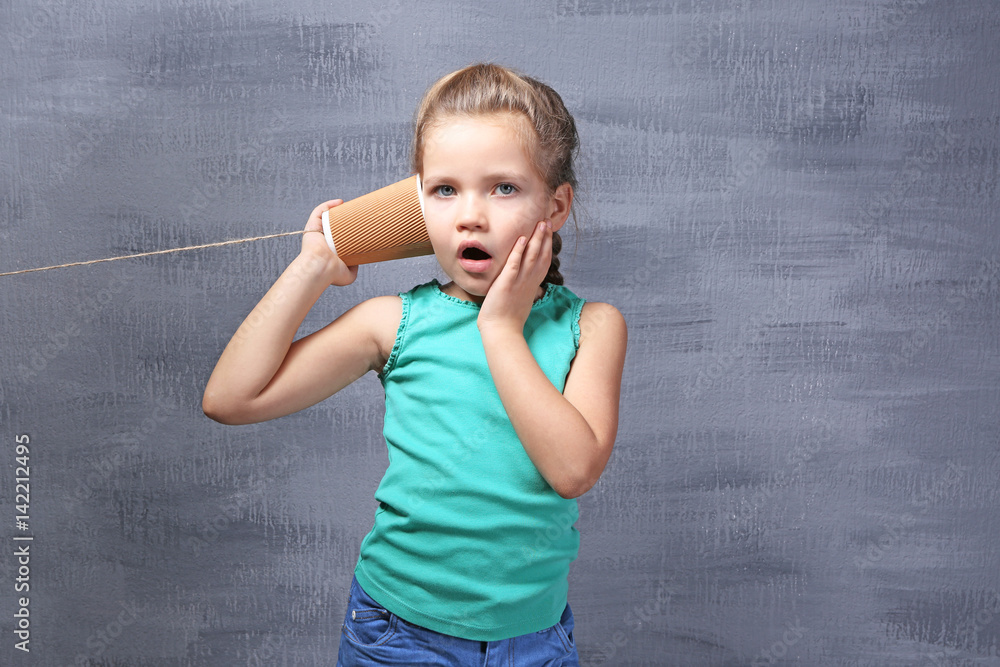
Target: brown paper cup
[381, 225]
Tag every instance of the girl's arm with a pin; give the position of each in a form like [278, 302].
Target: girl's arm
[568, 436]
[262, 374]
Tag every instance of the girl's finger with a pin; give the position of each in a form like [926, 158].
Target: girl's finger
[325, 206]
[540, 249]
[516, 255]
[316, 217]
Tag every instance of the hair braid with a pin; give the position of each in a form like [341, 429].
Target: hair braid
[553, 276]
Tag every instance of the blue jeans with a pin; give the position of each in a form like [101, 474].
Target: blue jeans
[374, 636]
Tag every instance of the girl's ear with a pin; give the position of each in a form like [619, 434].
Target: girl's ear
[560, 205]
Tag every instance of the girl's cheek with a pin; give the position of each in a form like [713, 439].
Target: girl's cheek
[527, 219]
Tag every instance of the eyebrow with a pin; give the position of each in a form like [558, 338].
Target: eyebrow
[498, 176]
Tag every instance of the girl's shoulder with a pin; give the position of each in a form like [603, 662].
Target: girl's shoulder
[381, 315]
[602, 323]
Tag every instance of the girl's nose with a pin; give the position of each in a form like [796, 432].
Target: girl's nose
[472, 213]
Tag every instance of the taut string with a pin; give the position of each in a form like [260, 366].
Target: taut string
[154, 252]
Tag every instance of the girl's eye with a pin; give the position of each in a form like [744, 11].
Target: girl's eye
[506, 189]
[444, 190]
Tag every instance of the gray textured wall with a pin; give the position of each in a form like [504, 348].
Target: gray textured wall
[793, 202]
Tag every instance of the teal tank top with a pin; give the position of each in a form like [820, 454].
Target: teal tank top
[469, 539]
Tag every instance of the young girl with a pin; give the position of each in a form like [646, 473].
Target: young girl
[501, 388]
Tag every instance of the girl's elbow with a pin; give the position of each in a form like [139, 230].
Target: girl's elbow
[581, 478]
[222, 411]
[569, 492]
[574, 486]
[214, 411]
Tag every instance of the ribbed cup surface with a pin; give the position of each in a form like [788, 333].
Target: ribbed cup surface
[381, 225]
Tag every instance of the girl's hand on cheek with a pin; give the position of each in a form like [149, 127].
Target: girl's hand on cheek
[316, 252]
[508, 301]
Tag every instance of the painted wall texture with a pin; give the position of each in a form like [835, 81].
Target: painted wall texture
[794, 203]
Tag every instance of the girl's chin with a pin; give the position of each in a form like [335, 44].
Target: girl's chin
[468, 290]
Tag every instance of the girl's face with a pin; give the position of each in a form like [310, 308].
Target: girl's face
[481, 192]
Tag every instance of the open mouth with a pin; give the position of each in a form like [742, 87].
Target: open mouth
[475, 254]
[475, 259]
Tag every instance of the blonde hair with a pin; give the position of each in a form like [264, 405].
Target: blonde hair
[488, 89]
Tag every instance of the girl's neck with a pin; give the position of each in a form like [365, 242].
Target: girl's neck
[452, 289]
